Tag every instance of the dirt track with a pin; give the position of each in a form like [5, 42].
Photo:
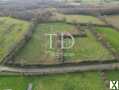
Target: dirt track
[64, 69]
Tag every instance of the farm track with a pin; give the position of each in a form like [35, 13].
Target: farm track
[58, 70]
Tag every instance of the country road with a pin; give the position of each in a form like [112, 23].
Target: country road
[64, 69]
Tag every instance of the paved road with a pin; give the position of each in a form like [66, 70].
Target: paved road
[64, 69]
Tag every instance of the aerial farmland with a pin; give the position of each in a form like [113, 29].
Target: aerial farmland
[59, 45]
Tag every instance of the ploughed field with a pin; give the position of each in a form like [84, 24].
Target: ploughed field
[11, 32]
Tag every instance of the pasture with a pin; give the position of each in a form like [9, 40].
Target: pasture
[11, 32]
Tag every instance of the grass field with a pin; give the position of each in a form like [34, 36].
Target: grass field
[111, 35]
[37, 50]
[13, 82]
[113, 75]
[86, 49]
[11, 32]
[81, 81]
[83, 19]
[74, 81]
[70, 81]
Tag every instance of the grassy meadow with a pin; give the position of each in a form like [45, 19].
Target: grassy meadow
[111, 35]
[11, 32]
[37, 50]
[71, 81]
[86, 49]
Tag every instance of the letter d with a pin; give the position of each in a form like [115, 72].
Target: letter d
[62, 41]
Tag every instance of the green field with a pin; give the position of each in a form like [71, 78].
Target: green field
[83, 19]
[86, 49]
[79, 81]
[13, 82]
[70, 81]
[113, 75]
[37, 50]
[11, 32]
[111, 35]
